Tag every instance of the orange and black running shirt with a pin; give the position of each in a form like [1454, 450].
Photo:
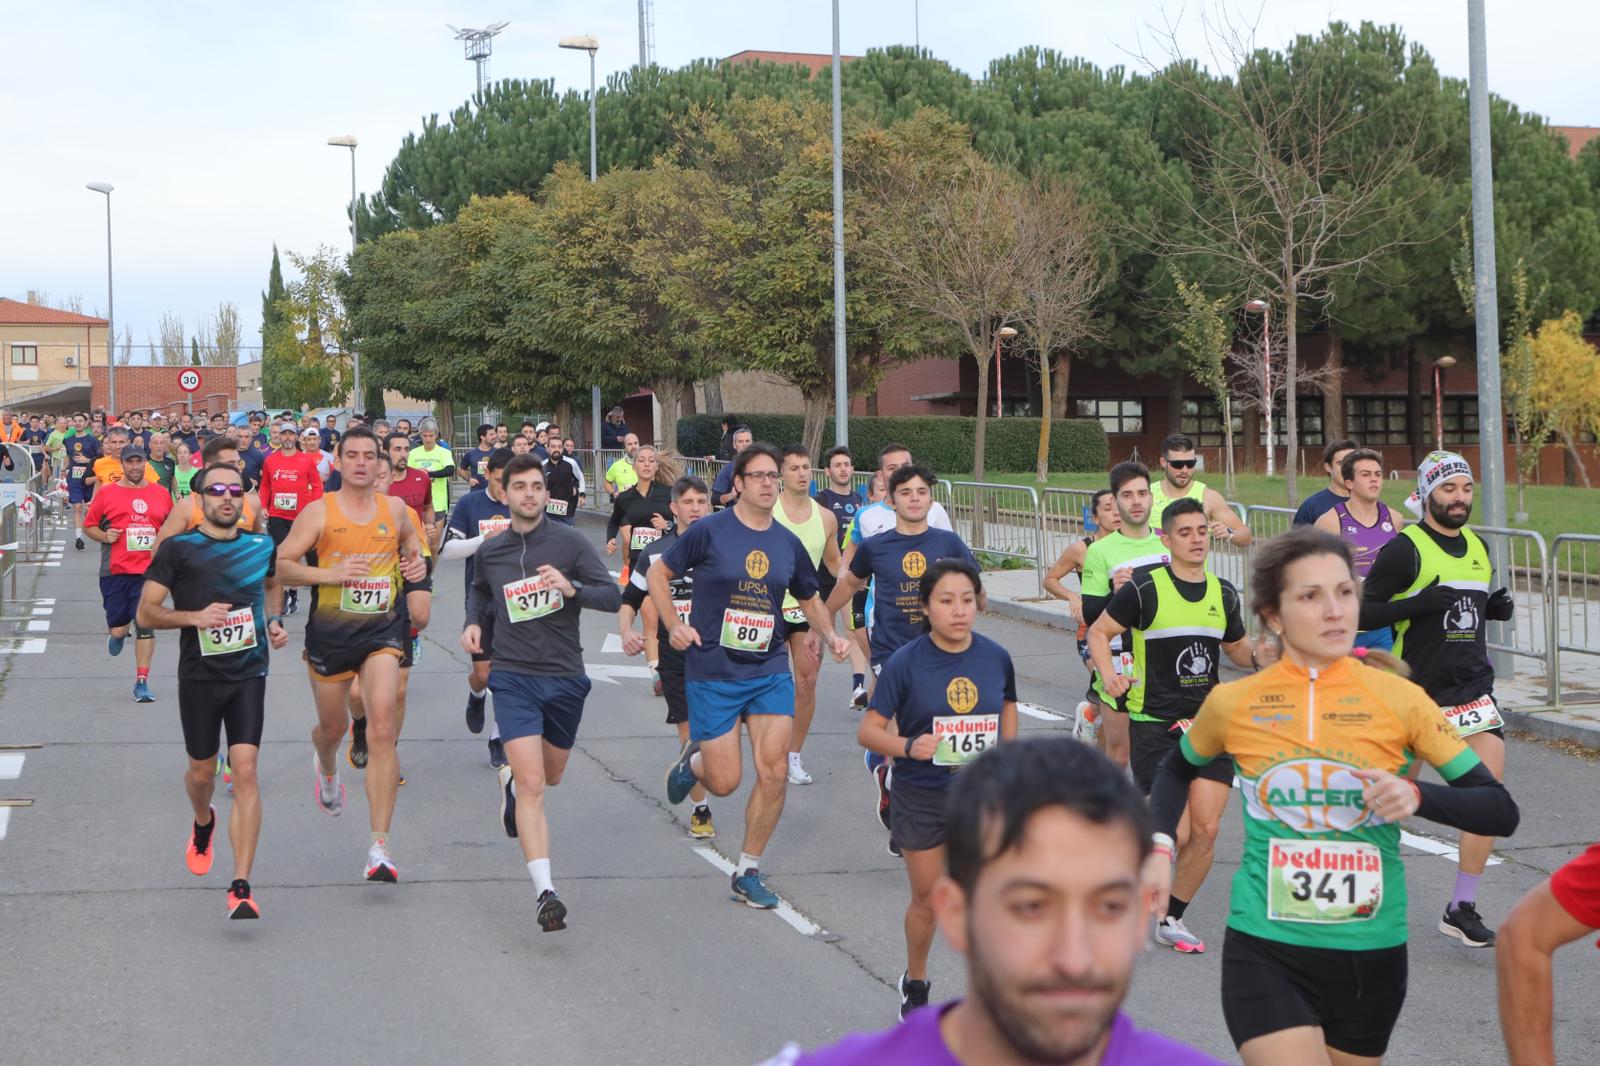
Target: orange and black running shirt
[366, 605]
[1319, 869]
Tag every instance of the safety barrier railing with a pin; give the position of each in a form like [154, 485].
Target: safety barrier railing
[9, 549]
[1574, 600]
[1522, 565]
[1062, 520]
[998, 520]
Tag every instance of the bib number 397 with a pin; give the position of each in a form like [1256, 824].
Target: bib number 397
[365, 595]
[1323, 881]
[236, 633]
[746, 631]
[964, 737]
[1475, 717]
[530, 598]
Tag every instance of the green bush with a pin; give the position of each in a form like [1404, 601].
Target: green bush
[944, 442]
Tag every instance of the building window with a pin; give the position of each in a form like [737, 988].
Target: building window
[1376, 420]
[1308, 412]
[1460, 416]
[1202, 423]
[1117, 416]
[24, 355]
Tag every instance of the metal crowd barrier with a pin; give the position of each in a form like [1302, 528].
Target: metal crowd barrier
[1522, 565]
[1573, 601]
[1061, 521]
[998, 520]
[9, 549]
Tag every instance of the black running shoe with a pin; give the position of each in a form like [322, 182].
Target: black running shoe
[475, 711]
[880, 776]
[497, 753]
[913, 994]
[508, 802]
[356, 755]
[1463, 922]
[80, 543]
[894, 849]
[552, 912]
[291, 601]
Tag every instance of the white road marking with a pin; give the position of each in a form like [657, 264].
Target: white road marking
[5, 816]
[1045, 713]
[46, 603]
[45, 611]
[609, 674]
[612, 645]
[30, 646]
[10, 765]
[38, 626]
[1436, 847]
[802, 925]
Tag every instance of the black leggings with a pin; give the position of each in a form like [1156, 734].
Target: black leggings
[206, 706]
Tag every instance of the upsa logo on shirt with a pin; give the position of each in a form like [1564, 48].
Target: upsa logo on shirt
[140, 507]
[756, 564]
[1309, 796]
[915, 564]
[961, 694]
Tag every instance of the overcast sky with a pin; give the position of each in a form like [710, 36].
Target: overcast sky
[211, 119]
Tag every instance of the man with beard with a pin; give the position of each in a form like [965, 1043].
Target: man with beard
[1432, 584]
[1046, 843]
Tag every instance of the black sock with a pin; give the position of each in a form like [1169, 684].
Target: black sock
[359, 724]
[1176, 907]
[698, 807]
[202, 834]
[241, 888]
[860, 680]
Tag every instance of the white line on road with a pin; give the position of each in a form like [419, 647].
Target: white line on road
[609, 674]
[803, 925]
[44, 611]
[5, 816]
[11, 765]
[30, 646]
[46, 603]
[1436, 847]
[38, 626]
[1040, 712]
[612, 645]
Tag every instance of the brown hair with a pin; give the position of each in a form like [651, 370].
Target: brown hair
[1347, 465]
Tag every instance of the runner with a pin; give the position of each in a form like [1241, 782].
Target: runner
[289, 481]
[642, 511]
[620, 474]
[186, 514]
[161, 466]
[124, 518]
[564, 481]
[1100, 519]
[475, 463]
[839, 495]
[723, 493]
[225, 599]
[743, 562]
[1431, 582]
[412, 486]
[435, 460]
[36, 438]
[478, 516]
[56, 447]
[364, 548]
[1109, 564]
[107, 469]
[1365, 523]
[894, 561]
[1319, 503]
[532, 582]
[814, 524]
[1178, 461]
[1047, 843]
[1563, 908]
[1314, 960]
[691, 501]
[311, 444]
[1181, 619]
[940, 702]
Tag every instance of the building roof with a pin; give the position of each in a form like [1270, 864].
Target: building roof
[17, 313]
[1577, 137]
[816, 61]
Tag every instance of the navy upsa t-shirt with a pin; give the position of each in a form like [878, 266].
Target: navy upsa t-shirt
[922, 681]
[895, 562]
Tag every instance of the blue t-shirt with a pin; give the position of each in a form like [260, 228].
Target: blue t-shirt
[921, 682]
[1316, 505]
[201, 570]
[721, 485]
[82, 451]
[740, 576]
[844, 506]
[330, 437]
[465, 518]
[895, 562]
[475, 463]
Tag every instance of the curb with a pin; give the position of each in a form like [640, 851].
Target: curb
[1027, 612]
[1580, 728]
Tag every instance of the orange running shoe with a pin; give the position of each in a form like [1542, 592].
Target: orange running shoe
[241, 904]
[198, 858]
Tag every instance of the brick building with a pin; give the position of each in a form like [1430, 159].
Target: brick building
[145, 388]
[45, 356]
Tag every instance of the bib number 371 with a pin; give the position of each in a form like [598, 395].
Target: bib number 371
[746, 631]
[1323, 881]
[962, 738]
[365, 595]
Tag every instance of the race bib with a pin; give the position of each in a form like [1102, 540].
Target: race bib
[365, 595]
[140, 538]
[529, 598]
[236, 633]
[1329, 881]
[483, 467]
[794, 616]
[682, 607]
[643, 535]
[556, 507]
[964, 737]
[78, 472]
[285, 501]
[744, 631]
[1474, 717]
[492, 525]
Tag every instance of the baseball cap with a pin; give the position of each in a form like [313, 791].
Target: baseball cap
[134, 451]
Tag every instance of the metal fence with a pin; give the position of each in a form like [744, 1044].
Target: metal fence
[998, 520]
[1573, 600]
[1522, 565]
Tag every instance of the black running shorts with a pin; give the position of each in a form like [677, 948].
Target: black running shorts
[670, 667]
[916, 816]
[206, 707]
[1149, 744]
[341, 662]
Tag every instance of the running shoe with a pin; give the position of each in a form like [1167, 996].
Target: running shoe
[655, 685]
[80, 543]
[197, 852]
[700, 826]
[913, 994]
[141, 691]
[880, 778]
[497, 753]
[1175, 935]
[894, 849]
[380, 867]
[399, 775]
[797, 772]
[291, 601]
[327, 791]
[114, 644]
[680, 775]
[552, 915]
[508, 802]
[1463, 922]
[227, 776]
[858, 698]
[356, 753]
[1085, 726]
[218, 771]
[751, 889]
[475, 705]
[241, 904]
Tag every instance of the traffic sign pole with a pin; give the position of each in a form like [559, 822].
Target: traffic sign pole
[189, 382]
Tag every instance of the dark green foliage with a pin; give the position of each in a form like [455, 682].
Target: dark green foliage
[943, 442]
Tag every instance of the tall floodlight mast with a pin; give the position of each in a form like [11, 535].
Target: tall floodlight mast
[479, 44]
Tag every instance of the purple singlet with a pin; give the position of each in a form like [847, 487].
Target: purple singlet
[1365, 541]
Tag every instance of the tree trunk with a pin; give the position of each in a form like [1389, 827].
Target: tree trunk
[1250, 423]
[981, 434]
[1175, 403]
[564, 420]
[1058, 389]
[1415, 428]
[668, 393]
[872, 403]
[1573, 462]
[686, 400]
[817, 406]
[1227, 436]
[444, 413]
[1042, 473]
[713, 388]
[1291, 371]
[1333, 390]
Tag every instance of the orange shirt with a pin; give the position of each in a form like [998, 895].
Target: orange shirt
[107, 471]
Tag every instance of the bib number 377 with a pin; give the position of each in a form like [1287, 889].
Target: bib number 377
[530, 598]
[962, 738]
[746, 631]
[1323, 881]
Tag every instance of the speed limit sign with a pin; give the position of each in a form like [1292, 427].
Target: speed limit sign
[189, 380]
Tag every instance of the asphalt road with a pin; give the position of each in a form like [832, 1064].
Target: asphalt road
[113, 951]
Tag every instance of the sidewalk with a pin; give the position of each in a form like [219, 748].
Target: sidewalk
[1523, 703]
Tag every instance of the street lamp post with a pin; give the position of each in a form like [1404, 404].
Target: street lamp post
[348, 141]
[1004, 333]
[1264, 309]
[1441, 364]
[590, 43]
[841, 382]
[111, 332]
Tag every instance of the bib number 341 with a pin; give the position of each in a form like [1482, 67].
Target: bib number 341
[1325, 881]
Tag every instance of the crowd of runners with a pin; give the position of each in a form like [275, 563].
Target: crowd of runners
[1042, 861]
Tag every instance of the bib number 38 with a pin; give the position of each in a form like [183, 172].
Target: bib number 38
[962, 738]
[1323, 881]
[746, 631]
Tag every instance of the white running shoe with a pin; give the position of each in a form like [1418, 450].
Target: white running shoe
[380, 867]
[1085, 728]
[328, 791]
[1175, 935]
[797, 773]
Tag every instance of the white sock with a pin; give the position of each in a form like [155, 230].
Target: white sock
[476, 694]
[748, 862]
[539, 870]
[794, 757]
[495, 732]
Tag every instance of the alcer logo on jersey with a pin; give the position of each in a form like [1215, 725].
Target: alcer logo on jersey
[961, 694]
[915, 564]
[1308, 795]
[756, 564]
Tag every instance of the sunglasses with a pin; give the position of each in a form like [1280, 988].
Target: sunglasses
[219, 491]
[1181, 464]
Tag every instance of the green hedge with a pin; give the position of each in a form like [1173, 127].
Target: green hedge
[944, 442]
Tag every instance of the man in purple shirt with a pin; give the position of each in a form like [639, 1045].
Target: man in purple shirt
[1045, 896]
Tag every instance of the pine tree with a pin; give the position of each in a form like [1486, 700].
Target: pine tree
[271, 313]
